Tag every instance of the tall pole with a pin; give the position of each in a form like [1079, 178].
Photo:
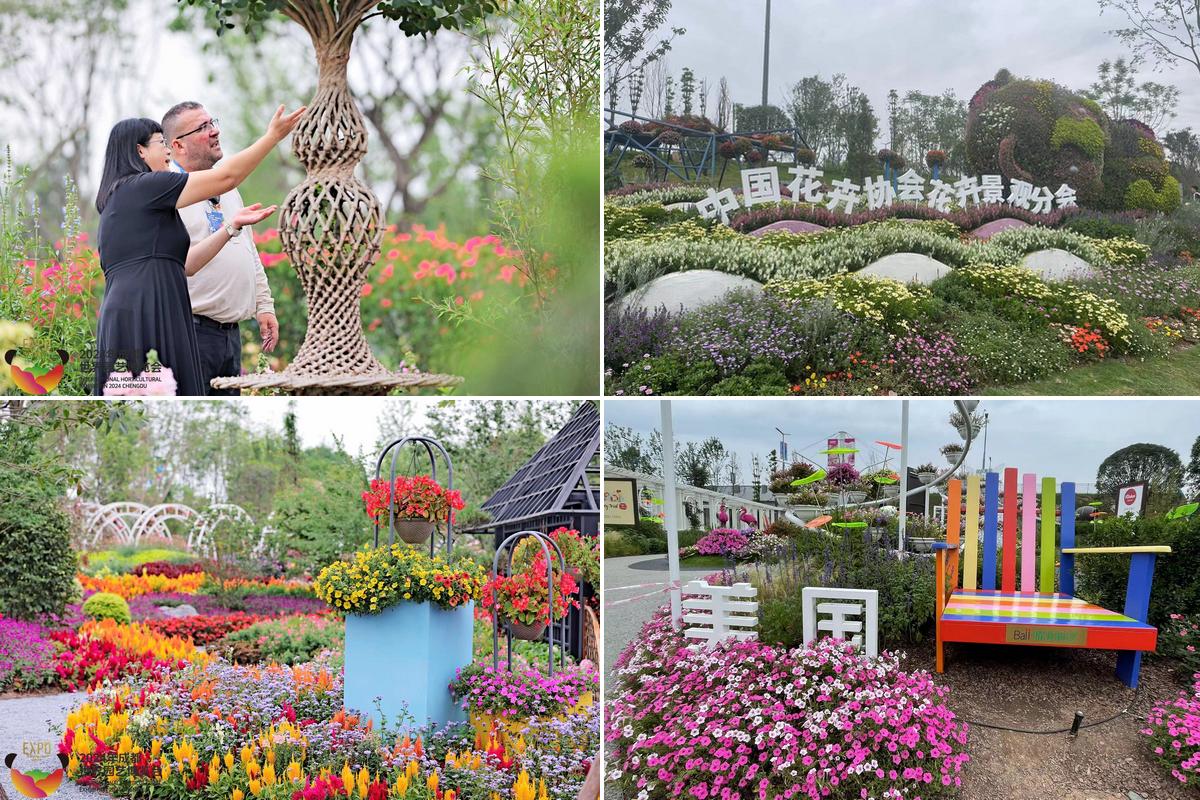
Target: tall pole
[766, 53]
[904, 469]
[672, 525]
[983, 464]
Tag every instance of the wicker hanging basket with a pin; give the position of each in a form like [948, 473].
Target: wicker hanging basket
[528, 633]
[414, 530]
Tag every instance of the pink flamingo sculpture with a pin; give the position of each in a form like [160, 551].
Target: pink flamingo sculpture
[722, 515]
[748, 518]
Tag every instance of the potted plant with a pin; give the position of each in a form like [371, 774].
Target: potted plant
[952, 452]
[409, 627]
[857, 491]
[926, 473]
[523, 599]
[807, 503]
[961, 423]
[421, 503]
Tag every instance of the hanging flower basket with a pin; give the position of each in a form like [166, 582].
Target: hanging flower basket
[926, 478]
[420, 503]
[527, 633]
[414, 530]
[856, 497]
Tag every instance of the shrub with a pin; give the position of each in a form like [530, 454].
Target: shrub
[1141, 195]
[806, 157]
[871, 297]
[104, 605]
[1007, 351]
[877, 714]
[1085, 134]
[929, 361]
[723, 542]
[37, 571]
[1103, 579]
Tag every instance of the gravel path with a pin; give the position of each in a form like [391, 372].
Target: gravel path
[28, 719]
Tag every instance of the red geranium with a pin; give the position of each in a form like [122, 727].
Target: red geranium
[525, 596]
[418, 496]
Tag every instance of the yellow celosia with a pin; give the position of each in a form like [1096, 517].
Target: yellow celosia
[155, 749]
[347, 777]
[237, 794]
[523, 788]
[214, 774]
[247, 755]
[364, 780]
[432, 782]
[72, 766]
[293, 771]
[228, 759]
[400, 788]
[255, 787]
[412, 769]
[269, 774]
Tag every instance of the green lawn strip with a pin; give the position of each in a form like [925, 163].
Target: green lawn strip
[703, 561]
[1177, 374]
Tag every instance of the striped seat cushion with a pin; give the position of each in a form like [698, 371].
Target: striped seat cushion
[985, 615]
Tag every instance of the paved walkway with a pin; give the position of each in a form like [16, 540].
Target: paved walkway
[624, 621]
[27, 720]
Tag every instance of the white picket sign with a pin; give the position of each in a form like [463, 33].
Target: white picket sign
[728, 618]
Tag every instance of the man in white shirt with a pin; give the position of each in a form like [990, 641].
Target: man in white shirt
[233, 286]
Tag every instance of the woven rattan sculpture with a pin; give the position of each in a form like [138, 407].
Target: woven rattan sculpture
[331, 226]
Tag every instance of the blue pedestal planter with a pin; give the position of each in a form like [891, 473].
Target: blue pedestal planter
[408, 654]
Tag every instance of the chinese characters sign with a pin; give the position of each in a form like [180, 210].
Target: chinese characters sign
[763, 186]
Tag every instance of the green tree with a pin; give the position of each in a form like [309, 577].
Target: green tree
[627, 449]
[1152, 464]
[687, 89]
[1193, 471]
[1117, 91]
[1184, 147]
[38, 569]
[1161, 30]
[290, 474]
[630, 28]
[323, 517]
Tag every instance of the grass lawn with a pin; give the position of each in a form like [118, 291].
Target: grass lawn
[1178, 374]
[716, 562]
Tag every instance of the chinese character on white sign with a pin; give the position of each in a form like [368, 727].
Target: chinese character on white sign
[760, 186]
[845, 620]
[806, 186]
[718, 205]
[721, 615]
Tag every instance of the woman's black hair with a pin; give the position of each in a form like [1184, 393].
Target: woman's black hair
[121, 159]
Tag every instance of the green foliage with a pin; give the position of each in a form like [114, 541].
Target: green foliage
[1157, 466]
[879, 299]
[1141, 195]
[37, 572]
[105, 605]
[1102, 579]
[416, 17]
[1007, 351]
[321, 519]
[290, 640]
[649, 539]
[124, 559]
[1085, 134]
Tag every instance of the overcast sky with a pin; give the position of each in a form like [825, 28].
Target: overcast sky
[319, 419]
[1066, 439]
[927, 45]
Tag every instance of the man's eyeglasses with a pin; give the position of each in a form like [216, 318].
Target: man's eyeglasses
[211, 124]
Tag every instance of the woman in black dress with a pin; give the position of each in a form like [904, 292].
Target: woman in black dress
[144, 246]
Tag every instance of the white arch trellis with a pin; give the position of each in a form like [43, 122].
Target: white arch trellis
[128, 521]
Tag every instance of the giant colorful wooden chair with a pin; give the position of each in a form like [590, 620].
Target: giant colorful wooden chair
[1034, 614]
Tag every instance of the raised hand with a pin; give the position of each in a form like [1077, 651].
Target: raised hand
[282, 124]
[251, 215]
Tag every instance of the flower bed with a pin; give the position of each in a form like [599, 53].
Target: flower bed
[202, 630]
[129, 585]
[747, 220]
[776, 723]
[106, 651]
[289, 640]
[524, 693]
[26, 656]
[1175, 733]
[218, 730]
[723, 542]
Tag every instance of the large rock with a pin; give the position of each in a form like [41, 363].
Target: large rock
[689, 290]
[995, 226]
[1056, 265]
[907, 267]
[791, 226]
[184, 610]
